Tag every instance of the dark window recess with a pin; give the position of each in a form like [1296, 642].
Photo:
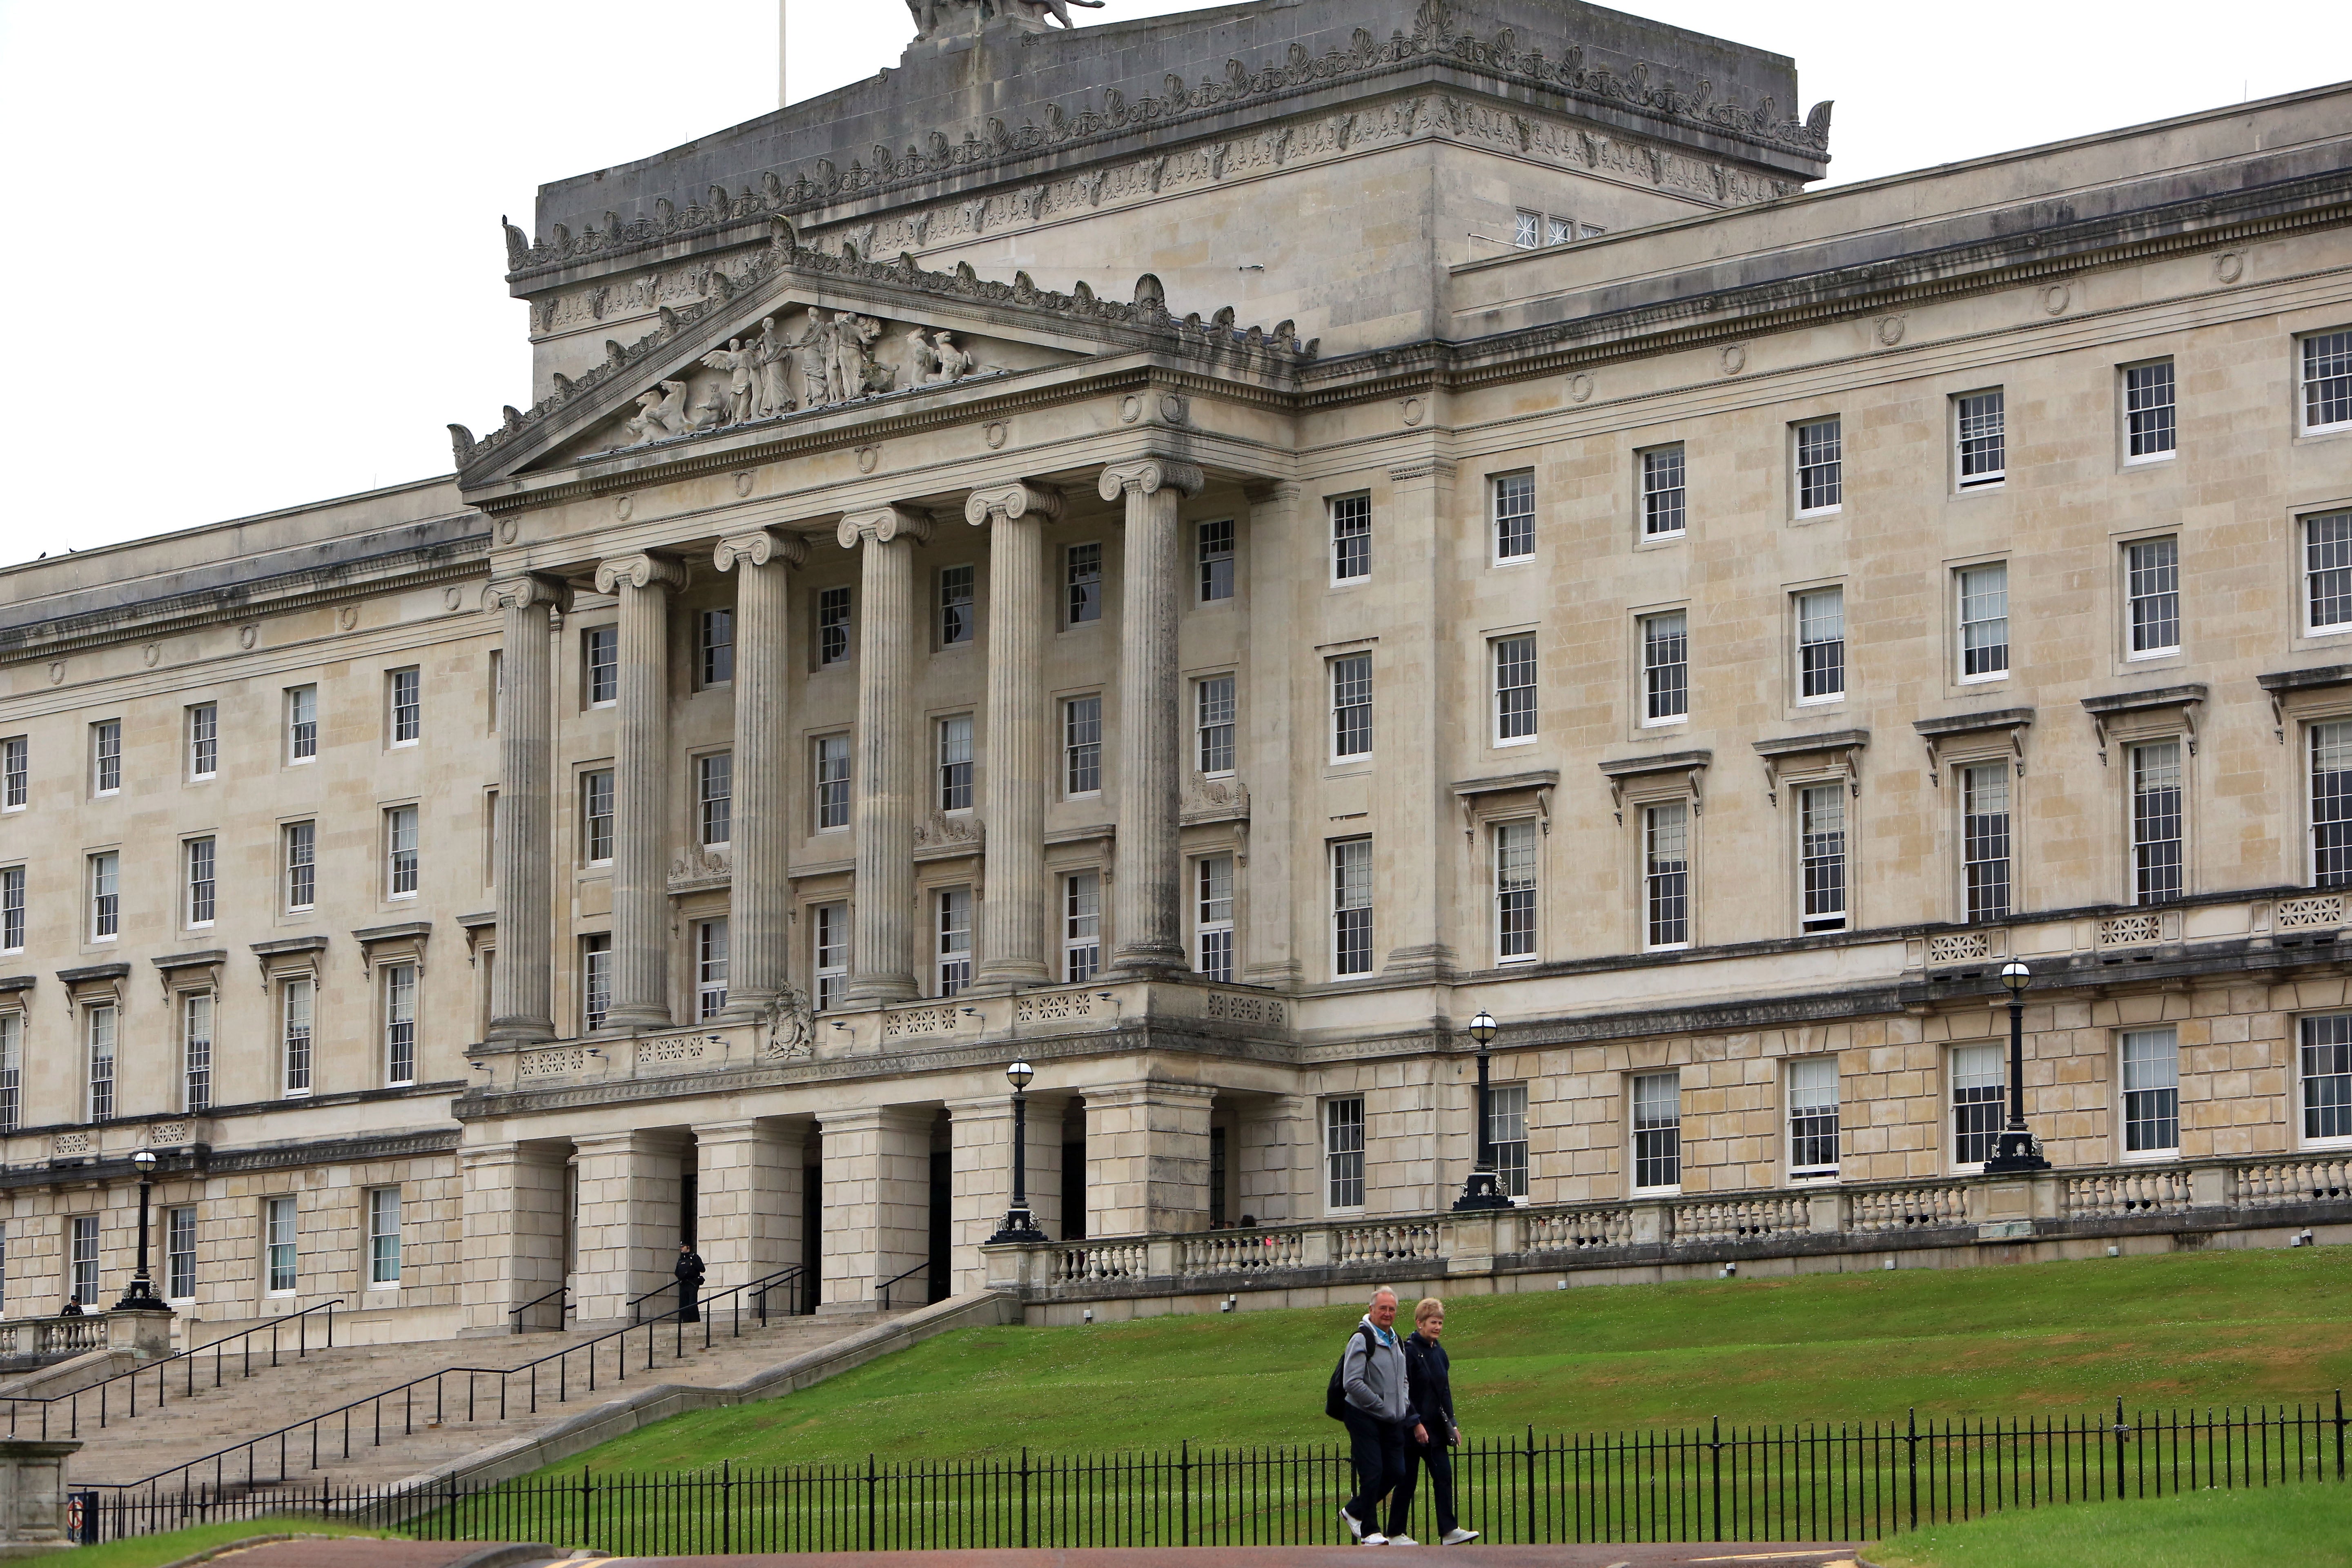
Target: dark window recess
[943, 1194]
[686, 1208]
[811, 1233]
[1217, 1175]
[1073, 1191]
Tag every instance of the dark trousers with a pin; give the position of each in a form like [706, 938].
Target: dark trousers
[687, 1289]
[1438, 1460]
[1381, 1453]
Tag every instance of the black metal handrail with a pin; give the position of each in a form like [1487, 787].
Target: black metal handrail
[882, 1291]
[186, 1358]
[563, 1310]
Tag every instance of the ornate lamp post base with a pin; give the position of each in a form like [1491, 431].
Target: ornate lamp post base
[1019, 1225]
[2016, 1152]
[1482, 1191]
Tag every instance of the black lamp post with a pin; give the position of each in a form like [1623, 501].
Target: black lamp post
[140, 1296]
[2016, 1150]
[1019, 1225]
[1482, 1191]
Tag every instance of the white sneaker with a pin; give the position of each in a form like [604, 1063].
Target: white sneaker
[1403, 1541]
[1354, 1528]
[1376, 1539]
[1457, 1537]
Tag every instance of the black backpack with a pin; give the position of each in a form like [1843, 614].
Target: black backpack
[1335, 1400]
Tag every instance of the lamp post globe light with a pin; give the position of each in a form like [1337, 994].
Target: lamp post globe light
[1482, 1191]
[140, 1295]
[2017, 1149]
[1019, 1225]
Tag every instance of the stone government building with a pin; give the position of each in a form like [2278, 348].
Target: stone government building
[1204, 552]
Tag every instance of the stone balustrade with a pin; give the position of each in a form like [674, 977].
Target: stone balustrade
[26, 1342]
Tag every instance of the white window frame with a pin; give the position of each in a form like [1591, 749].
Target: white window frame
[2307, 549]
[836, 620]
[714, 799]
[593, 794]
[1656, 889]
[1990, 403]
[403, 864]
[959, 622]
[204, 742]
[1073, 747]
[1208, 555]
[712, 649]
[1526, 229]
[1516, 850]
[101, 1057]
[1503, 525]
[16, 772]
[199, 1022]
[1349, 520]
[1806, 618]
[1346, 1155]
[14, 916]
[2154, 1053]
[1506, 1137]
[593, 641]
[2170, 422]
[1646, 1095]
[1652, 466]
[1212, 917]
[404, 720]
[81, 1259]
[951, 966]
[2329, 815]
[1967, 779]
[1516, 724]
[1075, 594]
[297, 858]
[1810, 1120]
[199, 882]
[1962, 576]
[2148, 773]
[105, 758]
[1216, 711]
[281, 1245]
[956, 775]
[828, 953]
[180, 1241]
[383, 1239]
[2336, 341]
[1349, 861]
[830, 789]
[1818, 461]
[298, 1035]
[710, 968]
[1965, 1071]
[301, 725]
[12, 1068]
[2338, 1107]
[1346, 676]
[105, 896]
[2145, 586]
[400, 985]
[1081, 926]
[1810, 798]
[1657, 688]
[596, 980]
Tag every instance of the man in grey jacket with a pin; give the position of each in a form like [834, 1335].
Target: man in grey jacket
[1380, 1424]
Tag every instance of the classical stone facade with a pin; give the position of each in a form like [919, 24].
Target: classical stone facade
[1511, 549]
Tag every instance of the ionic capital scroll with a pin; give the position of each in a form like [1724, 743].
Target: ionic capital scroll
[1149, 474]
[760, 547]
[1009, 503]
[645, 569]
[520, 593]
[883, 525]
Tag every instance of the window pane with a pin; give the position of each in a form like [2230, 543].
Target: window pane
[400, 1024]
[1984, 840]
[832, 782]
[955, 764]
[956, 620]
[407, 706]
[1813, 1116]
[1982, 434]
[2151, 1091]
[1084, 584]
[2155, 822]
[1665, 666]
[1820, 833]
[1351, 705]
[1662, 491]
[2331, 804]
[295, 1038]
[1515, 517]
[1978, 1075]
[1081, 745]
[2152, 570]
[2327, 380]
[709, 968]
[832, 953]
[954, 940]
[1213, 716]
[1821, 644]
[1081, 927]
[1351, 906]
[2327, 569]
[1343, 1152]
[1657, 1130]
[1984, 619]
[1515, 688]
[1215, 545]
[833, 627]
[1213, 917]
[1821, 466]
[1667, 873]
[603, 645]
[2326, 1072]
[1507, 1136]
[1351, 537]
[1515, 845]
[196, 1053]
[2148, 410]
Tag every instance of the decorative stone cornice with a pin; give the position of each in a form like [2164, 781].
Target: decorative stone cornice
[883, 525]
[1149, 475]
[760, 547]
[1007, 502]
[530, 588]
[644, 570]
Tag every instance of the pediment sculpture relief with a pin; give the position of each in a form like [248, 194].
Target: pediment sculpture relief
[937, 18]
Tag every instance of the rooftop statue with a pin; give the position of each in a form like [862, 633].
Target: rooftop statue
[936, 19]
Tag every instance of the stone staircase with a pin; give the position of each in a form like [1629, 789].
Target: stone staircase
[393, 1438]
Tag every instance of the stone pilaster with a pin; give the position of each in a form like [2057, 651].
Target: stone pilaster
[1147, 897]
[513, 1236]
[1147, 1158]
[641, 770]
[1416, 838]
[983, 1134]
[1018, 779]
[748, 1192]
[889, 753]
[1273, 766]
[878, 1205]
[522, 985]
[629, 1220]
[1281, 1160]
[759, 904]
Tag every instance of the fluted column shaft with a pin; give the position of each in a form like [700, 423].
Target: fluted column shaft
[641, 792]
[522, 979]
[882, 932]
[1146, 898]
[1014, 916]
[759, 905]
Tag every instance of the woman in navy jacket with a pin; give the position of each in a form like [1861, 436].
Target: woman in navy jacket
[1432, 1393]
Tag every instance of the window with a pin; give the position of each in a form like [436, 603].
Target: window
[955, 764]
[956, 618]
[1559, 230]
[1813, 1116]
[1820, 467]
[1665, 668]
[1515, 517]
[489, 837]
[383, 1236]
[1526, 229]
[2152, 586]
[407, 692]
[1351, 706]
[2155, 822]
[830, 928]
[596, 817]
[1215, 547]
[204, 741]
[1507, 1137]
[2331, 804]
[1515, 845]
[99, 1105]
[709, 968]
[831, 782]
[1352, 538]
[832, 626]
[301, 865]
[12, 908]
[1343, 1153]
[2151, 1093]
[1515, 689]
[400, 852]
[600, 650]
[595, 980]
[1662, 491]
[1984, 621]
[714, 647]
[278, 1242]
[1212, 723]
[2327, 381]
[200, 856]
[105, 896]
[2148, 414]
[180, 1253]
[1351, 907]
[302, 724]
[106, 757]
[2327, 572]
[85, 1260]
[1984, 840]
[1978, 1076]
[2327, 1074]
[1083, 566]
[16, 772]
[1081, 926]
[399, 1025]
[497, 695]
[1820, 645]
[954, 952]
[12, 1069]
[1820, 854]
[196, 1051]
[1665, 874]
[714, 798]
[1981, 432]
[299, 1004]
[1081, 745]
[1212, 917]
[1657, 1130]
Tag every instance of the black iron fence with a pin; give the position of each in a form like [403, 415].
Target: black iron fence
[1835, 1481]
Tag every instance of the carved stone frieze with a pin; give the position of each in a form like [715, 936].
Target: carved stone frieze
[949, 833]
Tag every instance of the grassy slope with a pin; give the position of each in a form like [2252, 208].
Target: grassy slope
[149, 1551]
[2308, 1526]
[2186, 1328]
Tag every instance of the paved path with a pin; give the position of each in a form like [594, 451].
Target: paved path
[320, 1553]
[1715, 1554]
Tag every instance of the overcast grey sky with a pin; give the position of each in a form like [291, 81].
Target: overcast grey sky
[285, 215]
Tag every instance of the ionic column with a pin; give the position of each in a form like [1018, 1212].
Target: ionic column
[522, 985]
[759, 905]
[1147, 897]
[889, 753]
[641, 791]
[1018, 778]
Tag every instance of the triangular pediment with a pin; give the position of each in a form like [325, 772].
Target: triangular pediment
[798, 334]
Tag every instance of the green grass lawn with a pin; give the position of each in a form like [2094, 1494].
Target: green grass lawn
[152, 1551]
[2189, 1328]
[2308, 1526]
